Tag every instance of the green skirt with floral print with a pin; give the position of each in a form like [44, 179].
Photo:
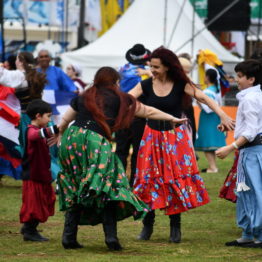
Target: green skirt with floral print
[91, 176]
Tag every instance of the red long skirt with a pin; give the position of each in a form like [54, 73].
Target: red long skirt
[228, 189]
[38, 201]
[167, 175]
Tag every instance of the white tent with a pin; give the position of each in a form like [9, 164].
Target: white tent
[144, 22]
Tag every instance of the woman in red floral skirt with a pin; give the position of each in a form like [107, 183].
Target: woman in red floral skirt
[167, 176]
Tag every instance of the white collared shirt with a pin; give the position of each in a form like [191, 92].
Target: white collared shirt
[249, 113]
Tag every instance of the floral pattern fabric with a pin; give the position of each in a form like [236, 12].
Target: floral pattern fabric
[228, 189]
[167, 175]
[92, 175]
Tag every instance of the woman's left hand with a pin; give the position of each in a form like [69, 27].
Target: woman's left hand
[178, 121]
[224, 151]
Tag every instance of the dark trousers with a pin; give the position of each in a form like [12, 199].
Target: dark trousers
[127, 137]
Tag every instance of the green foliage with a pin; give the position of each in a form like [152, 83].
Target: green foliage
[204, 231]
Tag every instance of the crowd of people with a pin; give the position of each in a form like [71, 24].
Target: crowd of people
[66, 132]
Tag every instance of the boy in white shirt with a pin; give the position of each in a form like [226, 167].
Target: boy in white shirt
[248, 139]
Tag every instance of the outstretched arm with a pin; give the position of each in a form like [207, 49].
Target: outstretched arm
[153, 113]
[226, 122]
[136, 91]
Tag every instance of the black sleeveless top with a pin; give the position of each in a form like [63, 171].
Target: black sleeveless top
[171, 104]
[84, 117]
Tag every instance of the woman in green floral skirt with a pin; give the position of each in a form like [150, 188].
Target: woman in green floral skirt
[93, 185]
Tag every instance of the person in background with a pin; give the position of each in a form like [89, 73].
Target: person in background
[9, 105]
[167, 176]
[209, 137]
[59, 89]
[93, 185]
[185, 61]
[248, 140]
[28, 84]
[131, 74]
[9, 64]
[74, 72]
[38, 197]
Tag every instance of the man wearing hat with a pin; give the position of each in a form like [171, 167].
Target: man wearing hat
[131, 74]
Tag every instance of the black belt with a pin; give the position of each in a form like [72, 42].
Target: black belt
[160, 125]
[90, 125]
[257, 141]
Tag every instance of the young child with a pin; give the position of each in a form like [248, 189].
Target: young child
[38, 199]
[248, 139]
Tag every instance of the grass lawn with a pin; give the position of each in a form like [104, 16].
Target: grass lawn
[204, 231]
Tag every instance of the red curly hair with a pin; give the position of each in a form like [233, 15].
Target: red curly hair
[107, 78]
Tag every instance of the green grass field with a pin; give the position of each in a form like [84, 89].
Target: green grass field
[204, 232]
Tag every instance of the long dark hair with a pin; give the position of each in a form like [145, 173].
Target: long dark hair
[175, 71]
[211, 75]
[107, 78]
[36, 80]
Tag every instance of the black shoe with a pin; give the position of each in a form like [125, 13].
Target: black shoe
[113, 244]
[146, 232]
[69, 237]
[235, 243]
[175, 228]
[34, 237]
[175, 235]
[110, 227]
[148, 223]
[72, 245]
[253, 245]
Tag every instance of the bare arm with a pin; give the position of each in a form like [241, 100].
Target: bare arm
[226, 121]
[226, 150]
[153, 113]
[67, 117]
[136, 91]
[141, 72]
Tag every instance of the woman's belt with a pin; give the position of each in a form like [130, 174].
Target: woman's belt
[257, 141]
[160, 125]
[90, 125]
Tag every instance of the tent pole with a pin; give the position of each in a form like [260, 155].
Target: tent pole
[208, 24]
[2, 30]
[66, 24]
[176, 23]
[80, 39]
[193, 28]
[259, 24]
[165, 23]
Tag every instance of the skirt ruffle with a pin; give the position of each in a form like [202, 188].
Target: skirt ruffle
[38, 201]
[167, 175]
[228, 189]
[92, 175]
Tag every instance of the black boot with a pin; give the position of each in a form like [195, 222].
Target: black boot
[175, 228]
[30, 232]
[148, 222]
[69, 241]
[110, 227]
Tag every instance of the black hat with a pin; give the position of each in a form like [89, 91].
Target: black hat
[138, 55]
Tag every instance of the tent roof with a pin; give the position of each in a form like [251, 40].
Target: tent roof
[144, 22]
